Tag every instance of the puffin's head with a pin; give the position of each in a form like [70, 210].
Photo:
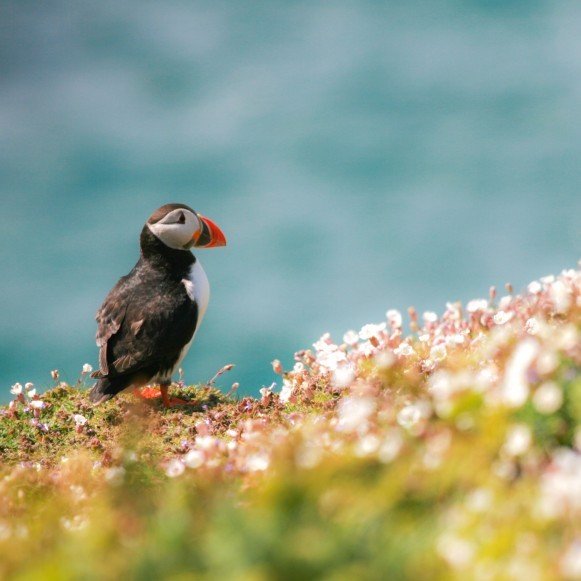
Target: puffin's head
[181, 228]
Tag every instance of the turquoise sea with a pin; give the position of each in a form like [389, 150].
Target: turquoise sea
[359, 155]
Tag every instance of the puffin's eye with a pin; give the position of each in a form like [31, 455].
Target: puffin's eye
[182, 218]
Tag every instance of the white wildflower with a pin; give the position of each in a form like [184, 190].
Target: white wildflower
[547, 362]
[115, 474]
[354, 411]
[371, 330]
[31, 393]
[457, 339]
[37, 404]
[343, 376]
[257, 462]
[409, 416]
[532, 326]
[308, 455]
[286, 391]
[391, 446]
[430, 317]
[206, 442]
[16, 389]
[394, 318]
[453, 310]
[457, 552]
[486, 377]
[428, 365]
[87, 368]
[175, 467]
[194, 459]
[568, 337]
[476, 305]
[535, 287]
[479, 500]
[78, 492]
[441, 385]
[560, 485]
[323, 343]
[351, 338]
[298, 367]
[405, 349]
[515, 388]
[367, 348]
[367, 445]
[438, 352]
[505, 302]
[518, 440]
[330, 359]
[560, 296]
[79, 420]
[548, 398]
[503, 317]
[385, 359]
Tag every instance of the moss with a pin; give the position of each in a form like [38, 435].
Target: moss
[54, 433]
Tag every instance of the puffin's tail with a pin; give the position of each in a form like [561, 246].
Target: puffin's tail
[106, 388]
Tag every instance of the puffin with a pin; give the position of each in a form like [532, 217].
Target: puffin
[150, 317]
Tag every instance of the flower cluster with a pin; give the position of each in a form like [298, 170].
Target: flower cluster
[467, 424]
[508, 366]
[379, 386]
[28, 399]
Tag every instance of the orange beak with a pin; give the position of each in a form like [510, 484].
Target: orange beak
[210, 235]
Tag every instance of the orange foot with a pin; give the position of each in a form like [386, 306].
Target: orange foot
[148, 393]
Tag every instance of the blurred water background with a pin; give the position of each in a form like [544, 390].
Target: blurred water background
[359, 155]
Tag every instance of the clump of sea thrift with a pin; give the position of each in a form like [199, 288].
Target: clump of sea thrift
[464, 431]
[482, 350]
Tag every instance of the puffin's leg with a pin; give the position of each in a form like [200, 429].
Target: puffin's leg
[164, 387]
[172, 401]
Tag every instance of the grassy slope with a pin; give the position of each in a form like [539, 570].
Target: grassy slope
[418, 456]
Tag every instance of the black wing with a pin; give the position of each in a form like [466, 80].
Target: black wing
[143, 326]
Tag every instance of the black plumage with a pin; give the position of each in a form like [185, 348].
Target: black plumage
[146, 320]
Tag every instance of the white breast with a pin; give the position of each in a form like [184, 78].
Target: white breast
[198, 289]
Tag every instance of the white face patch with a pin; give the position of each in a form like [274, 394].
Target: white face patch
[176, 229]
